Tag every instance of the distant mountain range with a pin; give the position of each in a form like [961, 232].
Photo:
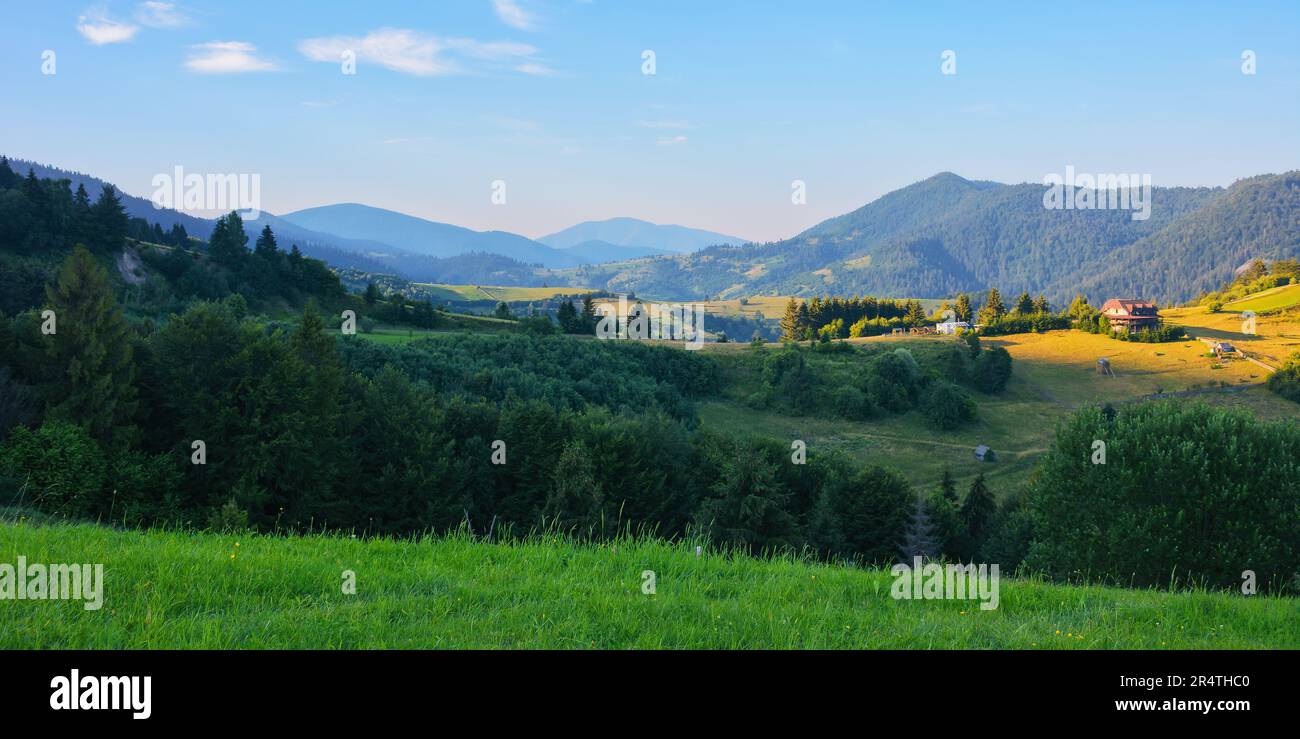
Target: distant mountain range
[932, 239]
[947, 234]
[638, 234]
[424, 237]
[379, 240]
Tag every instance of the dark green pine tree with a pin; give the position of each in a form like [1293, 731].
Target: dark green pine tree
[91, 347]
[265, 246]
[804, 322]
[83, 224]
[919, 537]
[8, 178]
[977, 512]
[1041, 305]
[228, 244]
[110, 220]
[948, 487]
[1024, 304]
[372, 293]
[589, 319]
[567, 315]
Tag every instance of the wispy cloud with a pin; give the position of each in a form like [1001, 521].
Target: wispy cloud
[226, 57]
[671, 140]
[535, 69]
[514, 16]
[160, 15]
[97, 28]
[412, 52]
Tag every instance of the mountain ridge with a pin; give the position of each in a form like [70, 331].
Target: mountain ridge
[634, 232]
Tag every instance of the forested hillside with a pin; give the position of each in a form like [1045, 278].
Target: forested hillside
[947, 235]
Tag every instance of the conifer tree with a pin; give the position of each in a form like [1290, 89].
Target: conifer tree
[110, 220]
[265, 246]
[994, 309]
[1024, 304]
[919, 538]
[977, 512]
[790, 321]
[963, 309]
[228, 244]
[91, 348]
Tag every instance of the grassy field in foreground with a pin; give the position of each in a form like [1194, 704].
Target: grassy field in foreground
[187, 590]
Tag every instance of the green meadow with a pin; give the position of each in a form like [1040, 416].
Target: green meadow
[170, 589]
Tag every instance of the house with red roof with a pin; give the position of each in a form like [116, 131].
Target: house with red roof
[1131, 316]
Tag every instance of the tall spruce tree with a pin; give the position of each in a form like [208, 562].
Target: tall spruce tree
[994, 309]
[265, 246]
[790, 321]
[228, 244]
[91, 348]
[977, 513]
[1024, 304]
[963, 309]
[110, 220]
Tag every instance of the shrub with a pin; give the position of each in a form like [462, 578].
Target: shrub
[1286, 381]
[947, 406]
[992, 370]
[1188, 494]
[62, 467]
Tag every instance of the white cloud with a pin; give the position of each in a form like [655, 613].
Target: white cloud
[99, 29]
[490, 50]
[420, 54]
[671, 141]
[535, 69]
[514, 16]
[394, 48]
[226, 57]
[160, 15]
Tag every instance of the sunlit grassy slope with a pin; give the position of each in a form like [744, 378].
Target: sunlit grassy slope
[1053, 375]
[489, 292]
[185, 590]
[1276, 335]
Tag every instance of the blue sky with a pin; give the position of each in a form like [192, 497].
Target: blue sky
[549, 97]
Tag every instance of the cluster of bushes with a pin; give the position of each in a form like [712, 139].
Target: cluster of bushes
[397, 309]
[1098, 323]
[842, 381]
[1016, 323]
[1188, 494]
[839, 318]
[1286, 381]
